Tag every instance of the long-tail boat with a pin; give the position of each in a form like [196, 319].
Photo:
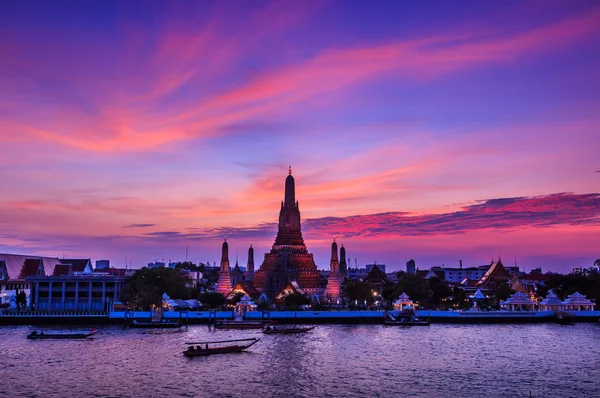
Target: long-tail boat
[239, 324]
[35, 335]
[284, 330]
[218, 347]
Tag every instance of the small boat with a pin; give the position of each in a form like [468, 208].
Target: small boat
[239, 325]
[405, 322]
[219, 347]
[35, 335]
[292, 330]
[165, 323]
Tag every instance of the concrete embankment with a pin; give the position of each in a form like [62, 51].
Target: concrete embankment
[309, 317]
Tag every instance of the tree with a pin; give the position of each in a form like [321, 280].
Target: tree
[439, 289]
[212, 299]
[502, 292]
[146, 286]
[294, 300]
[356, 290]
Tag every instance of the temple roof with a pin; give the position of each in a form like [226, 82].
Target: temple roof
[518, 299]
[78, 264]
[376, 275]
[577, 299]
[14, 264]
[551, 299]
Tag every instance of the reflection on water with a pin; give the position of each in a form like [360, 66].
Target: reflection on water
[331, 361]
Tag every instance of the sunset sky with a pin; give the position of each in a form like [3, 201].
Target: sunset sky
[437, 131]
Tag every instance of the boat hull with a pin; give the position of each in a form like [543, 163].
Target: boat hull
[60, 336]
[239, 325]
[408, 323]
[288, 331]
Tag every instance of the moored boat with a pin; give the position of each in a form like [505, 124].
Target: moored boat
[165, 323]
[35, 335]
[219, 347]
[239, 325]
[405, 322]
[284, 330]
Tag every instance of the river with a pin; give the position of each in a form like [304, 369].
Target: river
[331, 361]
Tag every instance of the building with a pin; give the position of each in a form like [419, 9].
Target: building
[102, 264]
[357, 273]
[337, 273]
[411, 267]
[156, 264]
[289, 259]
[14, 271]
[380, 266]
[224, 281]
[75, 292]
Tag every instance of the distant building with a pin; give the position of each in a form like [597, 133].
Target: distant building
[411, 267]
[380, 266]
[156, 264]
[357, 273]
[102, 264]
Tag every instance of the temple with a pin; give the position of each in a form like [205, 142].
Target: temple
[337, 272]
[224, 281]
[289, 260]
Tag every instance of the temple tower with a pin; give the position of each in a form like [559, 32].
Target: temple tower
[289, 259]
[334, 283]
[343, 265]
[224, 281]
[250, 265]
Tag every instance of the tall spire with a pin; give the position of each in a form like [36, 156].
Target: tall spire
[334, 264]
[343, 265]
[250, 265]
[224, 281]
[290, 191]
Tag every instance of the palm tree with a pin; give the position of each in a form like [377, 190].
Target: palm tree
[597, 263]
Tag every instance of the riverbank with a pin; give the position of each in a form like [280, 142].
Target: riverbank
[299, 317]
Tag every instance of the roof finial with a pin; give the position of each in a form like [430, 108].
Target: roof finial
[225, 239]
[290, 170]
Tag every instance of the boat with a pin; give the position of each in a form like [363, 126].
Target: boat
[239, 325]
[405, 322]
[292, 330]
[406, 318]
[206, 348]
[35, 335]
[164, 323]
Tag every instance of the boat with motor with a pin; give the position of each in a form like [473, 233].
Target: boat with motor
[162, 324]
[206, 348]
[287, 330]
[239, 324]
[40, 335]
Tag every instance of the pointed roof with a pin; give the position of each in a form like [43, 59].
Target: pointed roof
[551, 299]
[478, 295]
[245, 287]
[577, 299]
[14, 264]
[495, 274]
[518, 298]
[78, 264]
[31, 266]
[376, 275]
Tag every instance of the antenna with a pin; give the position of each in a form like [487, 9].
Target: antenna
[186, 253]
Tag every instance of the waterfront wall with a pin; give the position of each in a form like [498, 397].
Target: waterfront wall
[341, 317]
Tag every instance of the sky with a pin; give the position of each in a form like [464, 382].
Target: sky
[437, 131]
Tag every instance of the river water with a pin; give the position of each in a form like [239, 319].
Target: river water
[331, 361]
